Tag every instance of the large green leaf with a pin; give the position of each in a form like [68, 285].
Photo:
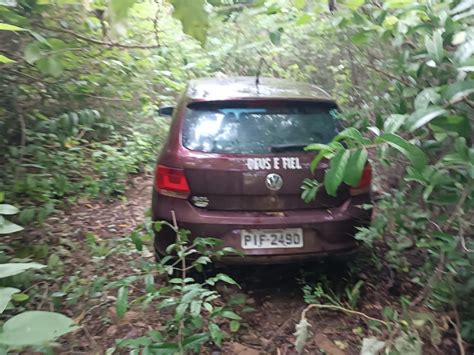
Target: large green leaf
[317, 146]
[434, 46]
[194, 341]
[230, 314]
[394, 122]
[5, 296]
[8, 27]
[181, 310]
[164, 348]
[33, 52]
[193, 17]
[216, 333]
[8, 209]
[8, 3]
[462, 6]
[226, 278]
[121, 304]
[234, 326]
[421, 117]
[355, 167]
[411, 151]
[35, 328]
[458, 90]
[5, 60]
[426, 97]
[11, 269]
[335, 173]
[275, 37]
[453, 123]
[315, 162]
[7, 227]
[50, 66]
[390, 21]
[350, 133]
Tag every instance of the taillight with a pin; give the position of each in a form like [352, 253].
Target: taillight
[364, 183]
[171, 182]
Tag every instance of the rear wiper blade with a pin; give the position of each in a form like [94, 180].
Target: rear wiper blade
[287, 147]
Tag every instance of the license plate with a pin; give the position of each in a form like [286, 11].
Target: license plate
[271, 238]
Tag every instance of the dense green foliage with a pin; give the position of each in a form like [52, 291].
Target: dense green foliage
[195, 319]
[79, 114]
[80, 83]
[425, 51]
[30, 328]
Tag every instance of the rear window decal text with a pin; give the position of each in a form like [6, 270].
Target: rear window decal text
[284, 163]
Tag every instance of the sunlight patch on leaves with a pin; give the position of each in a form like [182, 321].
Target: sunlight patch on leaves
[8, 27]
[5, 60]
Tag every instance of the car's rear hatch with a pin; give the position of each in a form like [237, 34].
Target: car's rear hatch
[237, 147]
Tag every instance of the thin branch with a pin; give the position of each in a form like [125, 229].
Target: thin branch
[95, 346]
[101, 97]
[461, 237]
[83, 314]
[21, 119]
[25, 75]
[22, 124]
[95, 41]
[458, 207]
[458, 99]
[389, 75]
[43, 298]
[429, 286]
[182, 258]
[338, 308]
[230, 8]
[155, 22]
[458, 338]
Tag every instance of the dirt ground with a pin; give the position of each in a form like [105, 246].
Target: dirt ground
[274, 292]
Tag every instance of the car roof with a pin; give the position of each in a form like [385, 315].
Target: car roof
[245, 87]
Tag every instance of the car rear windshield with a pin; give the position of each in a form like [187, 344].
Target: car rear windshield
[257, 128]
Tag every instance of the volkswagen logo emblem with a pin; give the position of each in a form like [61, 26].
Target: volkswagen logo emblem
[274, 181]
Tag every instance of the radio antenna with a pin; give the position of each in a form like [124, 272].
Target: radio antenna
[259, 70]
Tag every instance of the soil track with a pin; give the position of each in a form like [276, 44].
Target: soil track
[274, 292]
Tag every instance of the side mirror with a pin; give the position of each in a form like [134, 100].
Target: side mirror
[166, 111]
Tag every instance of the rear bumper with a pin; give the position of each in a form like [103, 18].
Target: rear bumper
[325, 232]
[286, 259]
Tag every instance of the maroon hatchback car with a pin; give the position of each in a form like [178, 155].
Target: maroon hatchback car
[233, 166]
